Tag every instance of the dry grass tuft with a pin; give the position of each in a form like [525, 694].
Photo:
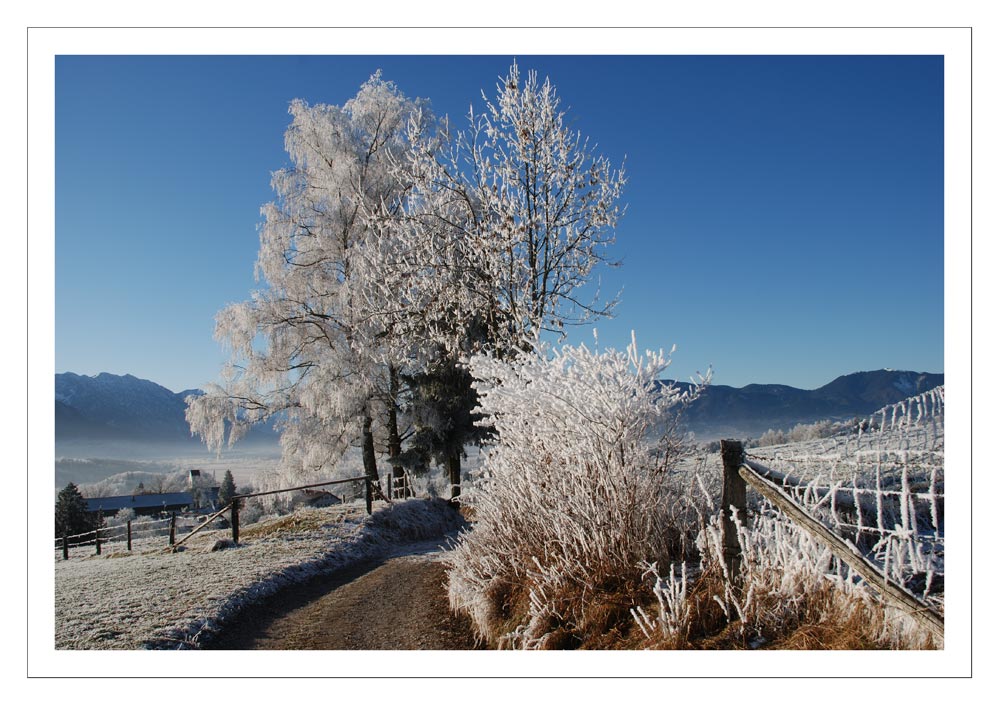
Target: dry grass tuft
[302, 521]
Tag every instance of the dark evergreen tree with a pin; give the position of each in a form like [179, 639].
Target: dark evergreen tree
[227, 490]
[71, 515]
[442, 403]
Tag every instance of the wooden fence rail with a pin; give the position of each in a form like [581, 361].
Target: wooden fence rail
[399, 487]
[371, 491]
[104, 535]
[738, 473]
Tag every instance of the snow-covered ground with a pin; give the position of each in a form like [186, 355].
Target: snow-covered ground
[155, 598]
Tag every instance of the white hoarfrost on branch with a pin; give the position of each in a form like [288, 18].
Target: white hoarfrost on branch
[393, 250]
[577, 492]
[313, 349]
[507, 220]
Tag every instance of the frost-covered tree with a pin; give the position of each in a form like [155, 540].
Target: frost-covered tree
[393, 251]
[501, 230]
[311, 348]
[512, 216]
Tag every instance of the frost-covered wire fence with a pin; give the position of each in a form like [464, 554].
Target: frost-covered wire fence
[876, 498]
[882, 487]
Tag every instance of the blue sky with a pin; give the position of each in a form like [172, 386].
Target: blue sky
[784, 224]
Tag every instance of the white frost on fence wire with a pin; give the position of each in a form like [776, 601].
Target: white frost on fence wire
[784, 569]
[892, 469]
[177, 600]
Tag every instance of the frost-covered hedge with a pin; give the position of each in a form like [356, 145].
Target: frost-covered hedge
[575, 494]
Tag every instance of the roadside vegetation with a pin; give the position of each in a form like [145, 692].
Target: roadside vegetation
[591, 533]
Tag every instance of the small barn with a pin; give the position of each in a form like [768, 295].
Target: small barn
[141, 504]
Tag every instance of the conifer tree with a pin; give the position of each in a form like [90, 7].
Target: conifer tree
[228, 489]
[71, 515]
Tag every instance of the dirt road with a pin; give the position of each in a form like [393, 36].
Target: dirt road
[394, 603]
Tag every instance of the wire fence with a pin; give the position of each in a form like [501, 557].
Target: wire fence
[880, 488]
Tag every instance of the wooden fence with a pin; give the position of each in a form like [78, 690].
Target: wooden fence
[127, 532]
[399, 487]
[740, 473]
[101, 536]
[371, 491]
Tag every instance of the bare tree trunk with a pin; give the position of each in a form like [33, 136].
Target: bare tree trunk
[454, 473]
[368, 449]
[394, 443]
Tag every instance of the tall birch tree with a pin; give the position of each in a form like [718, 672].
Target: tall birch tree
[310, 348]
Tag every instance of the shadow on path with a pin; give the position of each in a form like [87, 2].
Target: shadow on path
[387, 603]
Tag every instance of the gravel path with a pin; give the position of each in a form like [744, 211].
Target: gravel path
[163, 600]
[396, 603]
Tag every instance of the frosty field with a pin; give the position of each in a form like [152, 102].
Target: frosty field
[890, 466]
[159, 599]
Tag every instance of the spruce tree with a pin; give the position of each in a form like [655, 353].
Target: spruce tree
[71, 515]
[227, 490]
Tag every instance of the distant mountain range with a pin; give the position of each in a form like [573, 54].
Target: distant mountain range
[750, 411]
[122, 407]
[110, 407]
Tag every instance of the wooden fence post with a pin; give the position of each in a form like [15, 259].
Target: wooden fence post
[173, 527]
[733, 497]
[235, 521]
[97, 540]
[367, 495]
[128, 533]
[65, 547]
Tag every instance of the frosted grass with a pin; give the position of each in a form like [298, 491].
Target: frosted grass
[164, 600]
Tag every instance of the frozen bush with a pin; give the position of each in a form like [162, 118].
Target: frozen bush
[121, 517]
[802, 432]
[574, 497]
[251, 511]
[792, 593]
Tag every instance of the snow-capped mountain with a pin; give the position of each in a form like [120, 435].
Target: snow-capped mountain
[752, 410]
[109, 406]
[123, 407]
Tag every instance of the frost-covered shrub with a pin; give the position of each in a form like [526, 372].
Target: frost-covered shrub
[792, 592]
[251, 511]
[576, 493]
[121, 517]
[801, 433]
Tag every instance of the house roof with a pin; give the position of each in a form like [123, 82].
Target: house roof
[139, 501]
